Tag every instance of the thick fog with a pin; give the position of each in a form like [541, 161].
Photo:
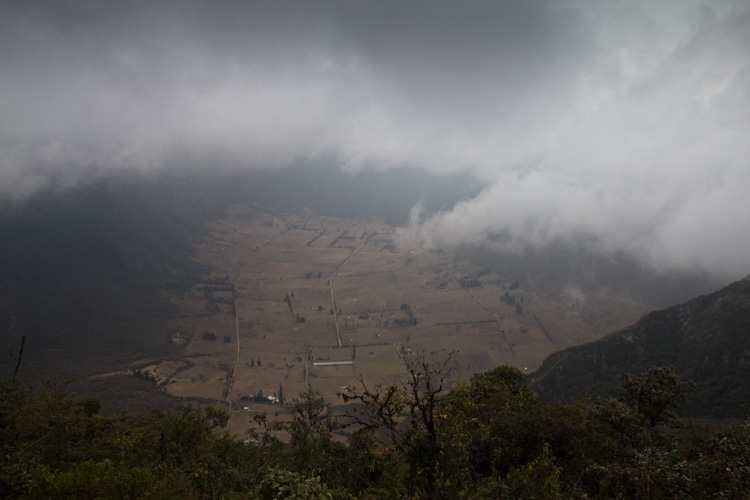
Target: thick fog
[621, 127]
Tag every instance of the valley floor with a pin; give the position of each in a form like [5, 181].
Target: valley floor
[291, 294]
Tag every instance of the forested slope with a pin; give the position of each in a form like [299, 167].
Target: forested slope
[707, 339]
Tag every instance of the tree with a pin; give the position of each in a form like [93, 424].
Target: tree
[91, 406]
[499, 390]
[408, 413]
[278, 483]
[312, 419]
[387, 406]
[214, 417]
[475, 415]
[655, 391]
[18, 358]
[626, 424]
[265, 430]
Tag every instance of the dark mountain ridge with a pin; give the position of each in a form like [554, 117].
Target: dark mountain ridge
[78, 269]
[707, 339]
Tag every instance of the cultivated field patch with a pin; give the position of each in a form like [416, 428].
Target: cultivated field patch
[298, 300]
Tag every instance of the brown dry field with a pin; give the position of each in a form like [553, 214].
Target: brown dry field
[258, 258]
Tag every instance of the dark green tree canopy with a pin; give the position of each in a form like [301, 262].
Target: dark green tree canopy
[654, 392]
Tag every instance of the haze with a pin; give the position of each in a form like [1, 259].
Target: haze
[618, 127]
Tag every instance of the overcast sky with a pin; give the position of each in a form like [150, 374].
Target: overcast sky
[623, 124]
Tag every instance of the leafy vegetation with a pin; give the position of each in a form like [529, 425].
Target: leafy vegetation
[485, 438]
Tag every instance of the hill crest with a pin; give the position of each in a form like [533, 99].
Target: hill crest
[707, 339]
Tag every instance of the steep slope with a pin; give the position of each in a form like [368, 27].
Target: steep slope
[707, 339]
[79, 269]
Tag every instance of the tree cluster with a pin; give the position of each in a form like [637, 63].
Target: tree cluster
[411, 320]
[486, 438]
[469, 282]
[484, 272]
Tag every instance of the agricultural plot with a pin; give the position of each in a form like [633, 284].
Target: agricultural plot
[299, 301]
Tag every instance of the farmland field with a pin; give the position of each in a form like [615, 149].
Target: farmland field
[292, 292]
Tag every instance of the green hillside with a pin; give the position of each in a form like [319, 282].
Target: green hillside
[706, 339]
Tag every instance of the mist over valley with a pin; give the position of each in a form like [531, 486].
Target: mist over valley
[374, 249]
[130, 272]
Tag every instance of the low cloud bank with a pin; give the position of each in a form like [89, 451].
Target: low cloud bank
[620, 127]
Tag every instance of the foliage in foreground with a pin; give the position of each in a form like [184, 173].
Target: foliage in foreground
[488, 438]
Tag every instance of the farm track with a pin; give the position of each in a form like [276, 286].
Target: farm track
[236, 364]
[333, 299]
[494, 315]
[546, 333]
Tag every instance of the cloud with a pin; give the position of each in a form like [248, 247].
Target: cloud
[621, 124]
